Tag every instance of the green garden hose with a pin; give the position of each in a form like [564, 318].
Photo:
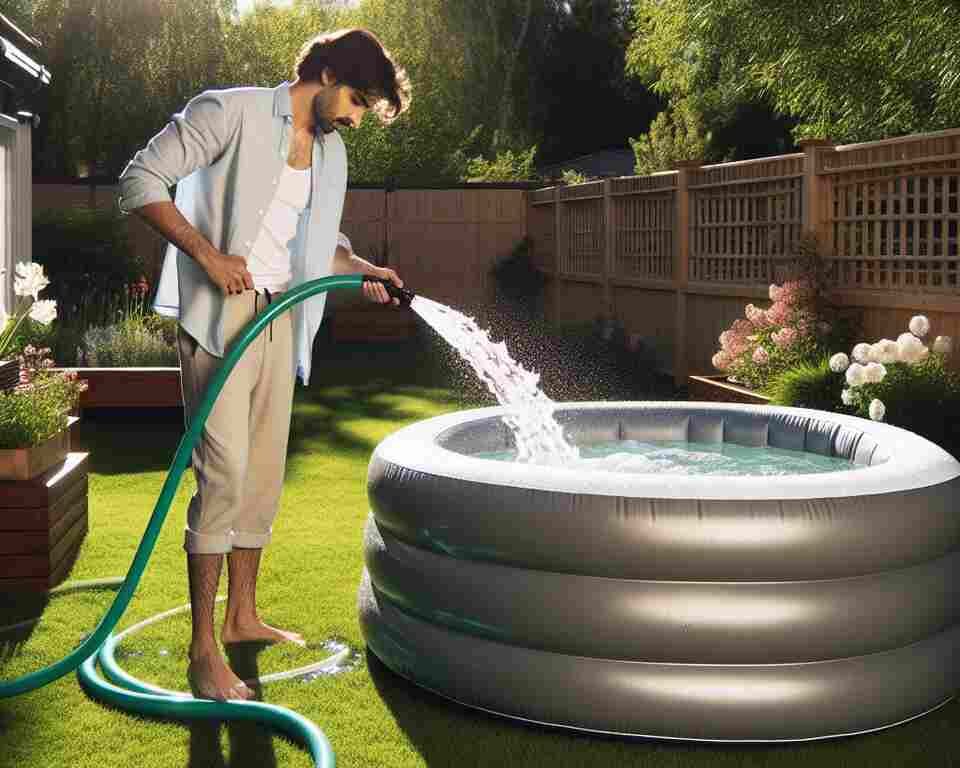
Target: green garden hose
[140, 697]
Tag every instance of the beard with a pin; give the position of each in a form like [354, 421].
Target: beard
[323, 117]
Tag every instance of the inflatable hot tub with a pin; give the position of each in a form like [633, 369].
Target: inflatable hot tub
[741, 608]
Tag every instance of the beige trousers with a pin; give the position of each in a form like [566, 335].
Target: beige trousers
[240, 459]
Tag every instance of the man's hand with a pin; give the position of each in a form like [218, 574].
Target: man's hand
[228, 273]
[377, 292]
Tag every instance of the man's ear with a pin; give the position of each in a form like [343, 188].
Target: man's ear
[327, 77]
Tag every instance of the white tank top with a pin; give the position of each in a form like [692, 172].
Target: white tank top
[269, 262]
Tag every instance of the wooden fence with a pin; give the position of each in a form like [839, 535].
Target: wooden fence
[675, 256]
[443, 242]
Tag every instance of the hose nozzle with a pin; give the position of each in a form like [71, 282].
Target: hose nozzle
[405, 295]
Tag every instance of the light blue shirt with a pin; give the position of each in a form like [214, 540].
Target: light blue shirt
[225, 152]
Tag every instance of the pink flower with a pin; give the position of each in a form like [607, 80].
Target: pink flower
[721, 361]
[760, 356]
[785, 337]
[780, 313]
[754, 314]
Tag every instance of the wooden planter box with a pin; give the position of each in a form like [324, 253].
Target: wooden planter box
[373, 323]
[42, 525]
[718, 389]
[27, 463]
[130, 387]
[9, 374]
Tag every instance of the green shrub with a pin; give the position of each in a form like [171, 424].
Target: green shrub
[89, 259]
[570, 176]
[507, 166]
[138, 339]
[517, 277]
[39, 407]
[923, 397]
[808, 385]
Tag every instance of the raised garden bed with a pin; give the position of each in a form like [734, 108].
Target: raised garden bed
[718, 389]
[42, 524]
[130, 387]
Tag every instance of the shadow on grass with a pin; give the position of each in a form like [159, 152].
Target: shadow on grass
[251, 744]
[20, 610]
[439, 729]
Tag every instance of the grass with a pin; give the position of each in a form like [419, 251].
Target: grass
[309, 583]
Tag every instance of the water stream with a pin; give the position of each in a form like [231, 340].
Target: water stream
[539, 438]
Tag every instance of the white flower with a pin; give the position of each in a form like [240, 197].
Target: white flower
[44, 311]
[873, 373]
[885, 351]
[839, 362]
[942, 345]
[774, 292]
[877, 410]
[30, 279]
[847, 397]
[855, 375]
[861, 352]
[919, 325]
[910, 349]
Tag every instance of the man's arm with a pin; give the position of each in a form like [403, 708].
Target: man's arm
[192, 139]
[228, 273]
[346, 262]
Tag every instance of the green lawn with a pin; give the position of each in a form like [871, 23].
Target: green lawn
[309, 582]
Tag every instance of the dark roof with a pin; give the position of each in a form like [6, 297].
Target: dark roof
[604, 163]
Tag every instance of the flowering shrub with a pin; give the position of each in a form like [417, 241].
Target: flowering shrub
[904, 382]
[879, 370]
[39, 405]
[767, 342]
[27, 285]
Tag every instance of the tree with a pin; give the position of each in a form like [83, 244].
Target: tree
[583, 99]
[845, 69]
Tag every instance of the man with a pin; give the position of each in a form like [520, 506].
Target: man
[262, 177]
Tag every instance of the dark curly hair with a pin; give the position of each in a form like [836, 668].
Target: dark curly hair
[357, 59]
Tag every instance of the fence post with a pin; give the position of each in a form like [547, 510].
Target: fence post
[681, 271]
[557, 226]
[608, 251]
[815, 216]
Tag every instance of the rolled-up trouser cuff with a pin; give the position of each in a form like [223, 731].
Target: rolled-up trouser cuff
[222, 543]
[251, 540]
[207, 543]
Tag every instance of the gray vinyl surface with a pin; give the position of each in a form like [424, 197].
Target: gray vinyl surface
[787, 609]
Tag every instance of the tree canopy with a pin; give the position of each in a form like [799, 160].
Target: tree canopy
[850, 70]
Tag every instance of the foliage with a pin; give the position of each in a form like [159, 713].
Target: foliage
[677, 134]
[39, 406]
[767, 342]
[121, 68]
[846, 69]
[517, 277]
[139, 338]
[506, 166]
[89, 258]
[570, 176]
[29, 282]
[806, 385]
[904, 382]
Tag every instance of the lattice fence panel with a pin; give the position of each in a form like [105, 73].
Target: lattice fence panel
[581, 230]
[896, 228]
[741, 231]
[643, 235]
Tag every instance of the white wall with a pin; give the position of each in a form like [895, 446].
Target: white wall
[16, 190]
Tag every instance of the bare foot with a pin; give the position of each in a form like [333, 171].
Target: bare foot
[255, 631]
[211, 678]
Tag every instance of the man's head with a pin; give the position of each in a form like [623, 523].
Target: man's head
[357, 74]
